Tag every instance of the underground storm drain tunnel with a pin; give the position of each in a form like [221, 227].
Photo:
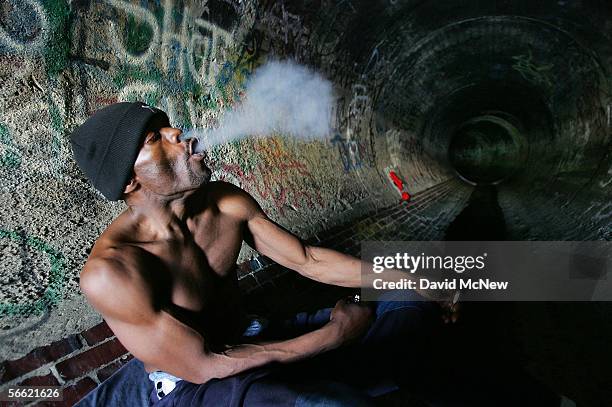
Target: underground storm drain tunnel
[449, 121]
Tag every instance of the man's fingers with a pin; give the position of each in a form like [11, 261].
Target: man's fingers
[450, 311]
[454, 316]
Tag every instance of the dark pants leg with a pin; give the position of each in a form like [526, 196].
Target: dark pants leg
[266, 387]
[394, 345]
[397, 351]
[336, 378]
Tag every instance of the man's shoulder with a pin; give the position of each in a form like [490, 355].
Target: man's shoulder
[121, 270]
[119, 261]
[116, 285]
[116, 249]
[117, 254]
[232, 200]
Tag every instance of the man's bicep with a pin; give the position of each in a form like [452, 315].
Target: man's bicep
[153, 336]
[263, 234]
[271, 240]
[166, 344]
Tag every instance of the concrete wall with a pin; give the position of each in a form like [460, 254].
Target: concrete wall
[61, 61]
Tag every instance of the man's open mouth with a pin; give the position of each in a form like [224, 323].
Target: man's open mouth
[193, 149]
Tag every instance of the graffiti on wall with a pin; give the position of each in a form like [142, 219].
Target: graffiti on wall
[60, 61]
[352, 127]
[530, 71]
[33, 48]
[49, 284]
[276, 176]
[30, 35]
[169, 54]
[356, 119]
[178, 59]
[351, 152]
[28, 38]
[290, 36]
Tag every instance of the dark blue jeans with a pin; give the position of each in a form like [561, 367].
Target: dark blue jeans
[347, 376]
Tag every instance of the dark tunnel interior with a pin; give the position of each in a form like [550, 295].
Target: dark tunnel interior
[503, 93]
[510, 99]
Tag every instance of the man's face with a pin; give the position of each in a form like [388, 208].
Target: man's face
[165, 164]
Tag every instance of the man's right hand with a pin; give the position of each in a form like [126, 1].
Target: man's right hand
[351, 320]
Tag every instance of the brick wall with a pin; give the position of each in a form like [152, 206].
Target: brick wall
[80, 362]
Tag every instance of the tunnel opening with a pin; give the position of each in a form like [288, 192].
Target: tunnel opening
[488, 132]
[542, 77]
[487, 150]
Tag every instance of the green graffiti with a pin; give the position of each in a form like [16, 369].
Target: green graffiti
[181, 87]
[223, 92]
[532, 72]
[54, 291]
[11, 158]
[127, 73]
[138, 36]
[57, 49]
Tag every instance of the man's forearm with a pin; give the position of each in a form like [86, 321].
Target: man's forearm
[247, 356]
[332, 267]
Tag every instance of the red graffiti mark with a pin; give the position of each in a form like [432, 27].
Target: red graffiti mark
[400, 185]
[101, 102]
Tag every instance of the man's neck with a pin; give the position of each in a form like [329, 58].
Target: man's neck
[164, 218]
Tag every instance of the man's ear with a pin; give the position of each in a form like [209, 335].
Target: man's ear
[131, 186]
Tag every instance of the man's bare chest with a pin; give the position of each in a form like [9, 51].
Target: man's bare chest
[199, 268]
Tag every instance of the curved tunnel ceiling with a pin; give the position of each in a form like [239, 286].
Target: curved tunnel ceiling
[516, 61]
[541, 68]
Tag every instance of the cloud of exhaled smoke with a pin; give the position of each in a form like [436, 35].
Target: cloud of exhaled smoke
[281, 97]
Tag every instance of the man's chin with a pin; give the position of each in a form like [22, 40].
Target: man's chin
[204, 179]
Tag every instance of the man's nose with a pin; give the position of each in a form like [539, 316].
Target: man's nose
[172, 135]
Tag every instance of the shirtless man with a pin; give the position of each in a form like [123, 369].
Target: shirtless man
[163, 273]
